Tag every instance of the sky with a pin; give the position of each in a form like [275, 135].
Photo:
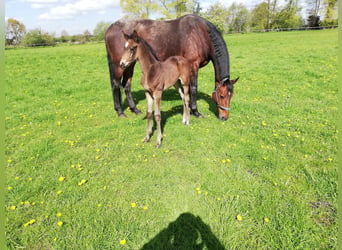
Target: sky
[73, 16]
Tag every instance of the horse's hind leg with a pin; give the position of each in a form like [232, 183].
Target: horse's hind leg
[157, 117]
[149, 116]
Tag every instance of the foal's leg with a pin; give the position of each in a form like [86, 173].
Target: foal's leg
[149, 116]
[184, 93]
[157, 116]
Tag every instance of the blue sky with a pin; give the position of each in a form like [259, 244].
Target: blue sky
[73, 16]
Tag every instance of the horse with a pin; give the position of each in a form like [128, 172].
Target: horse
[190, 36]
[156, 77]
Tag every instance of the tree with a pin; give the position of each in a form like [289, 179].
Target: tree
[37, 37]
[288, 17]
[138, 8]
[217, 14]
[15, 31]
[259, 19]
[238, 17]
[314, 7]
[100, 30]
[64, 37]
[331, 14]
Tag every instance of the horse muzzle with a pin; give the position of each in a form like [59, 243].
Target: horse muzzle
[123, 65]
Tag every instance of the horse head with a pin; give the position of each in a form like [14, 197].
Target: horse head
[222, 95]
[130, 49]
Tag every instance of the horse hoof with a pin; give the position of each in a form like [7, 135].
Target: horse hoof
[146, 140]
[136, 111]
[158, 145]
[122, 115]
[197, 114]
[187, 123]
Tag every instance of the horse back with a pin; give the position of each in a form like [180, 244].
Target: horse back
[186, 36]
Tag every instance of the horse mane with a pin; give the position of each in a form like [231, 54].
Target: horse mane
[149, 47]
[220, 50]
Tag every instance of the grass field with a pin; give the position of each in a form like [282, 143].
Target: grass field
[79, 177]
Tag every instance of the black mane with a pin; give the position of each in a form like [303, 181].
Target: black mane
[221, 52]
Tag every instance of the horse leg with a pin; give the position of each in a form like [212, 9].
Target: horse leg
[126, 83]
[157, 117]
[149, 99]
[115, 76]
[186, 111]
[185, 98]
[193, 93]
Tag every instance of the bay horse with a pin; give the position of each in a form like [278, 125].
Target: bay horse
[156, 77]
[190, 36]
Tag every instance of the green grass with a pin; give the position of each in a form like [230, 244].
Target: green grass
[272, 165]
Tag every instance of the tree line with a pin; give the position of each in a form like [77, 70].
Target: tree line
[267, 15]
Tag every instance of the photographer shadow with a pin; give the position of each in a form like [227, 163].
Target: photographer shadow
[187, 232]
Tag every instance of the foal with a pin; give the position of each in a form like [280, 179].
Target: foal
[156, 77]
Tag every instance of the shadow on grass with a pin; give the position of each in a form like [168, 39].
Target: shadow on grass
[171, 95]
[188, 232]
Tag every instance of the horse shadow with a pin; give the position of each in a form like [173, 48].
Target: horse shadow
[172, 95]
[187, 232]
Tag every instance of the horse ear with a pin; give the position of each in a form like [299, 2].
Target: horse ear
[125, 35]
[235, 80]
[135, 36]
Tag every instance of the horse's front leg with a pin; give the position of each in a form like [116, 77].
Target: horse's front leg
[157, 117]
[193, 93]
[115, 74]
[126, 83]
[149, 115]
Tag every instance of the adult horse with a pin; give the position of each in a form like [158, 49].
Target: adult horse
[189, 36]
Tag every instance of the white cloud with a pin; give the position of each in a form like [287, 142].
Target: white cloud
[40, 4]
[80, 7]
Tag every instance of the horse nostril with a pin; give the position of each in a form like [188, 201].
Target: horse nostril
[122, 65]
[223, 118]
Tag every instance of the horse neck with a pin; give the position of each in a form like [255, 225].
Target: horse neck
[145, 56]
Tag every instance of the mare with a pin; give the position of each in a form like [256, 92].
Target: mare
[156, 77]
[189, 36]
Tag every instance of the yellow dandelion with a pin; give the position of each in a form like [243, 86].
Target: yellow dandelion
[82, 182]
[29, 223]
[145, 207]
[62, 178]
[13, 207]
[59, 214]
[9, 188]
[239, 217]
[263, 123]
[133, 204]
[218, 198]
[60, 223]
[122, 242]
[59, 192]
[266, 220]
[104, 187]
[99, 205]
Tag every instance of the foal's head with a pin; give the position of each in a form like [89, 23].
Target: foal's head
[130, 54]
[222, 95]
